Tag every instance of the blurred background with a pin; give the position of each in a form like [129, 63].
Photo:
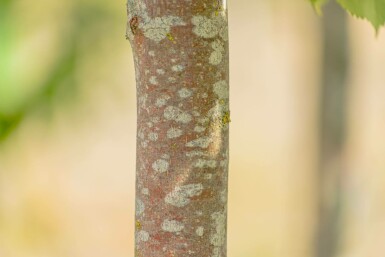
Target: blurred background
[307, 134]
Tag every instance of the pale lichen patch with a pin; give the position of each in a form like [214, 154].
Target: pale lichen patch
[153, 80]
[196, 113]
[203, 120]
[142, 101]
[199, 213]
[224, 33]
[202, 163]
[196, 153]
[143, 236]
[218, 238]
[139, 208]
[174, 132]
[176, 114]
[159, 27]
[171, 79]
[217, 112]
[161, 101]
[199, 129]
[141, 134]
[217, 55]
[224, 196]
[172, 226]
[153, 136]
[160, 165]
[144, 144]
[184, 93]
[181, 195]
[160, 71]
[177, 68]
[155, 119]
[221, 89]
[200, 231]
[210, 27]
[145, 191]
[202, 142]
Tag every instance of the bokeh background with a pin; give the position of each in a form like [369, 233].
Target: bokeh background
[307, 167]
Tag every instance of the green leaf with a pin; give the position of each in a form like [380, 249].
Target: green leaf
[317, 4]
[372, 10]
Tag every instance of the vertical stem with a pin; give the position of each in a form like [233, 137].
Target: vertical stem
[332, 122]
[181, 61]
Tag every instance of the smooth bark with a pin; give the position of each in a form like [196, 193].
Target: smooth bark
[181, 60]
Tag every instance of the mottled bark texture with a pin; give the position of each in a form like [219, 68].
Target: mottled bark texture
[181, 59]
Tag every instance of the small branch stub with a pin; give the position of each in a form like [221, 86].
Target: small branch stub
[134, 24]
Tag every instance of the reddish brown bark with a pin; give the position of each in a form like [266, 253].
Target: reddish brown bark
[181, 60]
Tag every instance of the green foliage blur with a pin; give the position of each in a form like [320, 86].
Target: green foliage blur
[371, 10]
[43, 48]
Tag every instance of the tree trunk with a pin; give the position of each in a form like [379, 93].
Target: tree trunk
[181, 61]
[333, 129]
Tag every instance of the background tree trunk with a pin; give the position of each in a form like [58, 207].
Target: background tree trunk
[334, 92]
[181, 61]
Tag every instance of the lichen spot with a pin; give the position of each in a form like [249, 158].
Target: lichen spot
[184, 93]
[224, 196]
[172, 226]
[209, 27]
[217, 55]
[161, 101]
[139, 208]
[160, 165]
[202, 163]
[151, 53]
[153, 80]
[218, 238]
[221, 89]
[145, 191]
[181, 195]
[196, 113]
[202, 142]
[159, 27]
[176, 114]
[178, 68]
[143, 236]
[171, 79]
[195, 153]
[153, 136]
[204, 27]
[142, 101]
[174, 132]
[199, 129]
[160, 71]
[199, 231]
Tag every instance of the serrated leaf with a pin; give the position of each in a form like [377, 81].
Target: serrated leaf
[372, 10]
[317, 4]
